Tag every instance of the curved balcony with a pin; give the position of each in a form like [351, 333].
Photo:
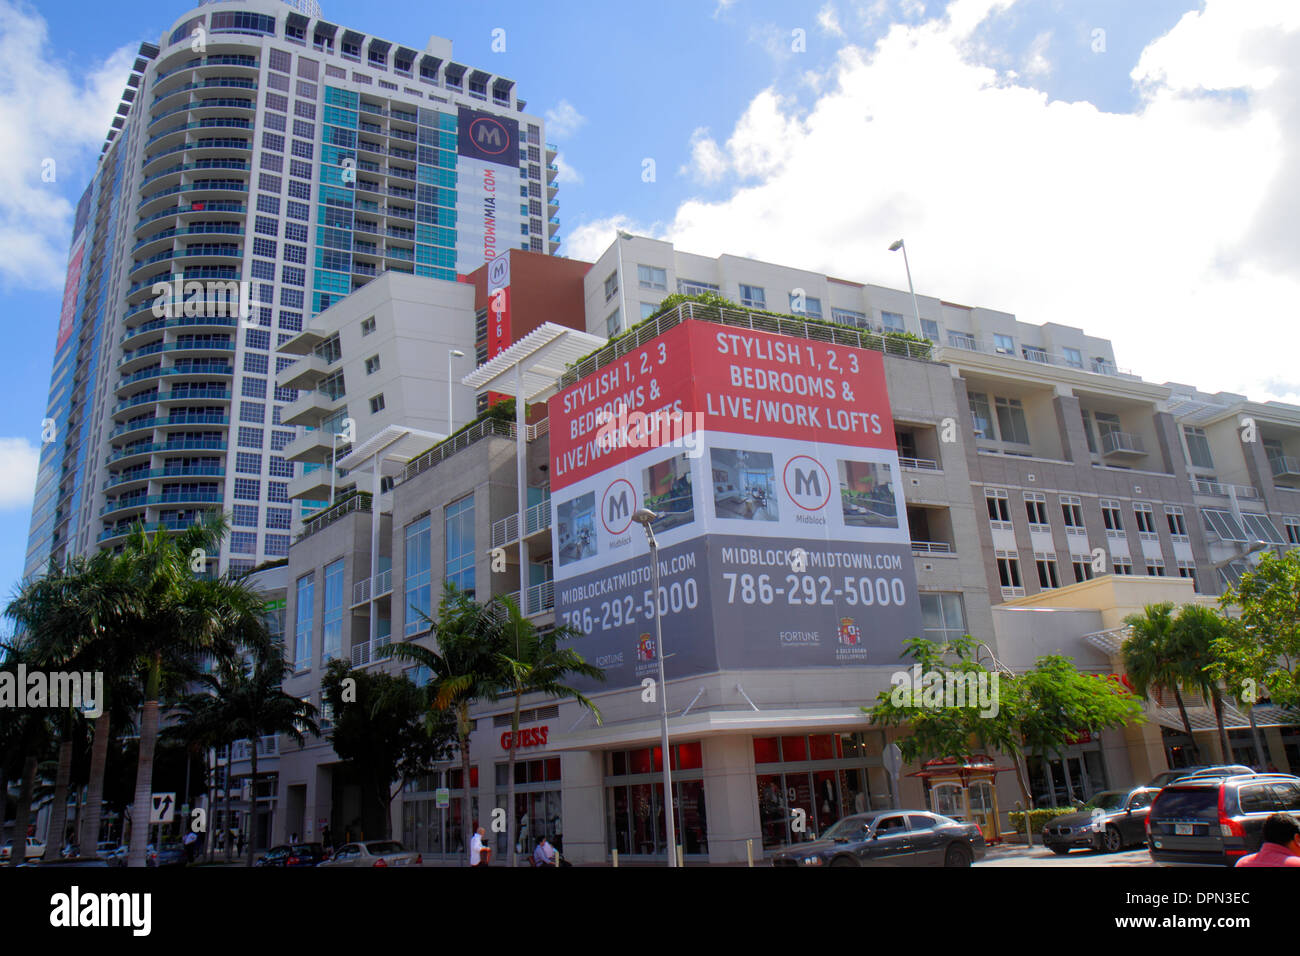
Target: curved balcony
[153, 448]
[173, 134]
[188, 209]
[196, 254]
[215, 471]
[222, 274]
[175, 422]
[217, 188]
[196, 323]
[171, 175]
[206, 347]
[223, 147]
[206, 85]
[203, 370]
[137, 502]
[179, 394]
[125, 528]
[224, 103]
[193, 229]
[238, 62]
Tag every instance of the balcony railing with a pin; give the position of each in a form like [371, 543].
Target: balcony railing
[1121, 443]
[536, 518]
[919, 464]
[539, 599]
[931, 547]
[1221, 490]
[383, 584]
[458, 442]
[1032, 353]
[813, 329]
[356, 502]
[1285, 467]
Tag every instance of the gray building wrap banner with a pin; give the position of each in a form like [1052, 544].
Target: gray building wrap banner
[770, 462]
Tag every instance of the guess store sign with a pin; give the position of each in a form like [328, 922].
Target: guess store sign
[529, 737]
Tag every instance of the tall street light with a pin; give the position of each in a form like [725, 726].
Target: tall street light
[644, 517]
[453, 353]
[898, 244]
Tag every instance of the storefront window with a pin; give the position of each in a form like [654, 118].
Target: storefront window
[538, 804]
[635, 800]
[822, 778]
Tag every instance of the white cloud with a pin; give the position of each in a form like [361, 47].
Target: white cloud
[1037, 65]
[1169, 229]
[564, 120]
[49, 112]
[588, 240]
[18, 461]
[566, 173]
[829, 21]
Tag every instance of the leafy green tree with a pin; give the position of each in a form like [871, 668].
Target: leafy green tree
[464, 666]
[1039, 711]
[534, 661]
[67, 619]
[1267, 648]
[384, 731]
[1151, 660]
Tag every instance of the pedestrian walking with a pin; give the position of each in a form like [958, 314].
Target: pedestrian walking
[190, 842]
[480, 854]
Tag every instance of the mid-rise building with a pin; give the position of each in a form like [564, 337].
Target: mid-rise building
[1047, 494]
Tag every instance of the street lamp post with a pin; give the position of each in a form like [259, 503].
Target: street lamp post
[453, 353]
[644, 517]
[899, 244]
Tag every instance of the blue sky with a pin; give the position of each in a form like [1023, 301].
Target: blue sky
[1031, 170]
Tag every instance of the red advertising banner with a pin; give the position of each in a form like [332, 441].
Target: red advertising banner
[69, 308]
[704, 376]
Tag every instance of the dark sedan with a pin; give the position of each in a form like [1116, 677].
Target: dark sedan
[293, 855]
[1110, 821]
[890, 838]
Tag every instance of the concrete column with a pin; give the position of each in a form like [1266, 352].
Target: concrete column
[583, 806]
[1074, 444]
[731, 797]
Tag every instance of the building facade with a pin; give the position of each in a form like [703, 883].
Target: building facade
[1047, 494]
[264, 164]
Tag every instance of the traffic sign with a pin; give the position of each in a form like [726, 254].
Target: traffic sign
[163, 808]
[893, 760]
[442, 798]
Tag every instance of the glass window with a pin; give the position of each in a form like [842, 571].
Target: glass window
[930, 329]
[649, 277]
[753, 296]
[418, 575]
[1004, 344]
[303, 622]
[1011, 421]
[891, 322]
[332, 614]
[460, 543]
[1073, 357]
[943, 616]
[613, 324]
[981, 418]
[1198, 447]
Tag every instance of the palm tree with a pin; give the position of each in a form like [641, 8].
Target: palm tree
[1151, 659]
[26, 733]
[463, 668]
[175, 612]
[254, 706]
[533, 662]
[67, 619]
[1194, 632]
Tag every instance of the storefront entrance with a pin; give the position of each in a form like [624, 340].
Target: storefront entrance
[634, 792]
[807, 782]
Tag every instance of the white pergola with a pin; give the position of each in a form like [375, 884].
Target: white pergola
[530, 370]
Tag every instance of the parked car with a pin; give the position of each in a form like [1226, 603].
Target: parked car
[169, 854]
[890, 838]
[117, 856]
[296, 854]
[81, 862]
[1217, 820]
[374, 853]
[1166, 777]
[35, 848]
[1109, 821]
